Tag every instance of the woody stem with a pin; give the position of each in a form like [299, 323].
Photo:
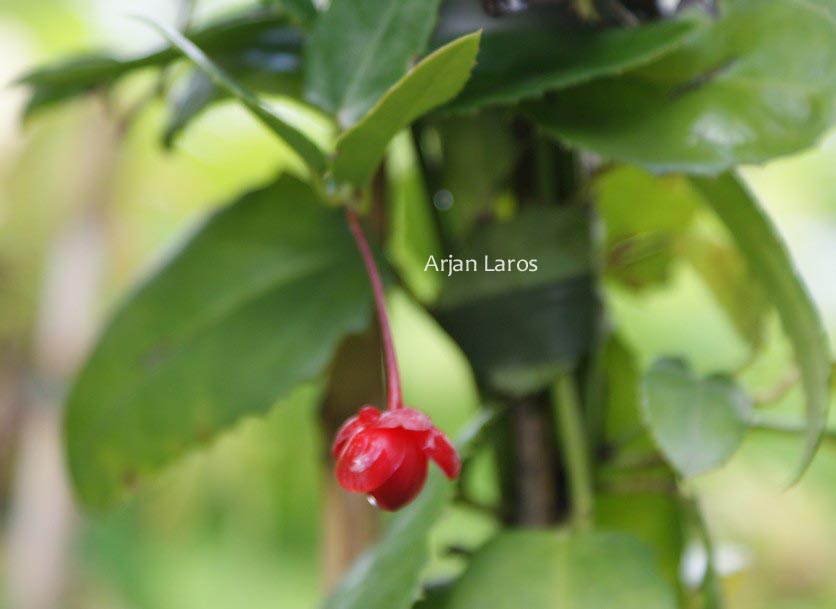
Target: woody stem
[394, 398]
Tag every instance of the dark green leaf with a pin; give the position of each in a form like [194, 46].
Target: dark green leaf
[302, 12]
[697, 423]
[254, 304]
[539, 320]
[298, 141]
[252, 33]
[196, 93]
[758, 84]
[561, 570]
[437, 79]
[478, 154]
[768, 259]
[360, 48]
[388, 575]
[519, 64]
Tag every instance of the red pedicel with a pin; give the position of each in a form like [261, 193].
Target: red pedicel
[385, 455]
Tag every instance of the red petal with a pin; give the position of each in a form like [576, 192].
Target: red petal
[439, 449]
[369, 458]
[408, 418]
[366, 417]
[406, 482]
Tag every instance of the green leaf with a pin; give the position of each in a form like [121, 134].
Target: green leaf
[561, 570]
[697, 423]
[759, 83]
[540, 320]
[388, 575]
[262, 31]
[186, 102]
[302, 12]
[298, 141]
[768, 259]
[523, 63]
[360, 48]
[437, 79]
[254, 304]
[644, 217]
[736, 290]
[651, 516]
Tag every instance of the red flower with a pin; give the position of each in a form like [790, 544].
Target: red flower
[385, 454]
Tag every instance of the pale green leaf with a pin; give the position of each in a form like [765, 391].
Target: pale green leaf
[697, 423]
[254, 304]
[768, 259]
[561, 570]
[435, 80]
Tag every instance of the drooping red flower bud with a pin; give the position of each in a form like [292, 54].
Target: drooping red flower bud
[385, 454]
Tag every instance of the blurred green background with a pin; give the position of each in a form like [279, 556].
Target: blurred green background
[239, 524]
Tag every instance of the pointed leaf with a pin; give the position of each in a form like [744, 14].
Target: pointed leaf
[254, 304]
[435, 80]
[298, 141]
[759, 83]
[523, 63]
[768, 259]
[260, 30]
[697, 423]
[360, 48]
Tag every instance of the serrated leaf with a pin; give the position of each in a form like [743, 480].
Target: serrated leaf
[271, 117]
[237, 35]
[388, 575]
[437, 79]
[562, 570]
[519, 64]
[697, 423]
[768, 259]
[360, 48]
[759, 83]
[254, 304]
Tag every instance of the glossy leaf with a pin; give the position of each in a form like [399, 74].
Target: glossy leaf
[435, 80]
[360, 48]
[561, 570]
[759, 83]
[254, 304]
[194, 95]
[768, 259]
[388, 575]
[520, 64]
[697, 423]
[272, 118]
[237, 36]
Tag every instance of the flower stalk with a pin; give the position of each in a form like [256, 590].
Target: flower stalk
[394, 396]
